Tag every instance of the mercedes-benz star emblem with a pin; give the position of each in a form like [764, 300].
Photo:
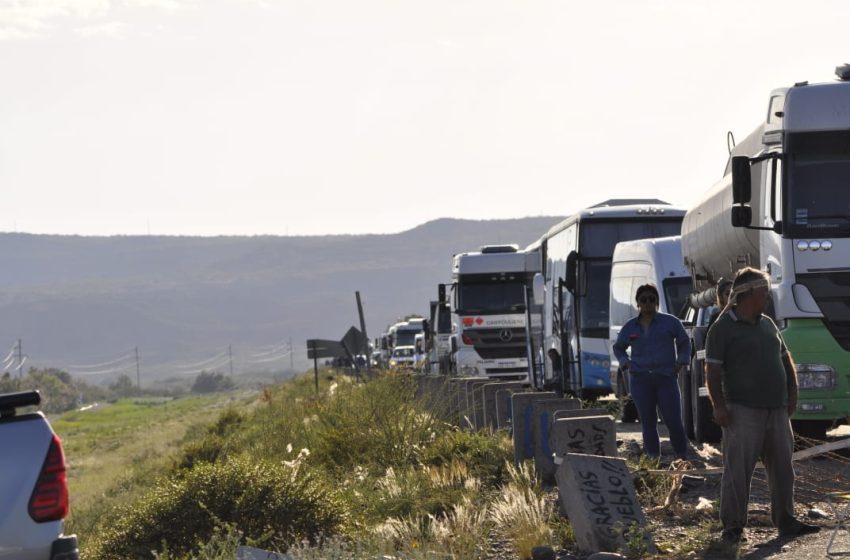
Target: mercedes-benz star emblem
[506, 335]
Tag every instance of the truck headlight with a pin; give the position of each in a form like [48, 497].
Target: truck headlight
[815, 376]
[469, 370]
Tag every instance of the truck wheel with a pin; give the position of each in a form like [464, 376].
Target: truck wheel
[705, 430]
[811, 429]
[687, 411]
[629, 410]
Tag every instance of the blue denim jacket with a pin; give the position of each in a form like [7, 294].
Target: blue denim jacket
[656, 350]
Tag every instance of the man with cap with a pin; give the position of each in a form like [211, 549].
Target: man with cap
[752, 384]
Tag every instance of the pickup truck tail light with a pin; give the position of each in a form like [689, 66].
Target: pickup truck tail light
[49, 500]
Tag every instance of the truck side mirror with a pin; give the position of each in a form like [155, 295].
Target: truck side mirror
[441, 293]
[537, 288]
[572, 272]
[453, 340]
[741, 180]
[742, 216]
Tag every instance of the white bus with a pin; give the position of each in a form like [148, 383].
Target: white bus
[574, 288]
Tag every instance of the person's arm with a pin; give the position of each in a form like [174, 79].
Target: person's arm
[714, 382]
[620, 347]
[683, 346]
[791, 380]
[715, 350]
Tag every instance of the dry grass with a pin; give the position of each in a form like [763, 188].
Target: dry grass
[522, 513]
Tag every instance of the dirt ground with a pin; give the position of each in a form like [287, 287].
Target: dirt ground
[816, 478]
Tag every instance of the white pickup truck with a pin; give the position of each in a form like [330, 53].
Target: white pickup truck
[33, 484]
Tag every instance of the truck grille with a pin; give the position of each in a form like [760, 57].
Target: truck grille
[501, 353]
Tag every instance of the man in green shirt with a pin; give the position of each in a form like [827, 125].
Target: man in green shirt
[753, 388]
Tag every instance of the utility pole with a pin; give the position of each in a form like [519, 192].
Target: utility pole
[230, 356]
[138, 374]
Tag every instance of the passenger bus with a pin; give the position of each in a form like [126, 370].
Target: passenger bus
[574, 288]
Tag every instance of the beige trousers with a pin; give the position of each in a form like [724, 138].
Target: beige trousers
[753, 434]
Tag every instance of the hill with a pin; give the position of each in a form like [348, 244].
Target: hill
[82, 300]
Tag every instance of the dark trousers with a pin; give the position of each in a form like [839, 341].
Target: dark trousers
[651, 391]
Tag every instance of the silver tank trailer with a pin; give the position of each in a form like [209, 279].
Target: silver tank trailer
[711, 247]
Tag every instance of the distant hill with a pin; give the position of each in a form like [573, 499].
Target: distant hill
[85, 300]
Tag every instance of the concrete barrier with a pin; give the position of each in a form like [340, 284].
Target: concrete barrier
[489, 396]
[559, 414]
[599, 497]
[542, 411]
[523, 423]
[590, 435]
[470, 410]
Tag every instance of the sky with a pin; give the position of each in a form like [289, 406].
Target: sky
[310, 117]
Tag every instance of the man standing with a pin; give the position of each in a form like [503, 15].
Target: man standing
[753, 387]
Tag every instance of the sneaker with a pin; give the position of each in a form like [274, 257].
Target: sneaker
[798, 528]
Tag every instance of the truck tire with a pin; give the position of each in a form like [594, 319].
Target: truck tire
[811, 429]
[705, 430]
[629, 413]
[687, 411]
[628, 410]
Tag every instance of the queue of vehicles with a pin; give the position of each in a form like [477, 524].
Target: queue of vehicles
[780, 206]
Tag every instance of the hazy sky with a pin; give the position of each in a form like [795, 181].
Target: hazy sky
[205, 117]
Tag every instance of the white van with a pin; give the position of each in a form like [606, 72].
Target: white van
[643, 261]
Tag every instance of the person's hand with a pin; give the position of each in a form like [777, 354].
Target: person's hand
[721, 416]
[792, 404]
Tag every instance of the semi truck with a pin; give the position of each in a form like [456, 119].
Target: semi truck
[783, 206]
[489, 296]
[574, 285]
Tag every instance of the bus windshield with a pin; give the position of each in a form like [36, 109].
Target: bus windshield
[598, 239]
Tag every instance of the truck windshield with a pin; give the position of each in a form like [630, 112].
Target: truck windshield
[818, 172]
[676, 292]
[405, 338]
[490, 296]
[593, 306]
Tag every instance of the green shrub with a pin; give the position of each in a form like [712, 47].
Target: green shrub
[211, 447]
[270, 504]
[485, 455]
[380, 422]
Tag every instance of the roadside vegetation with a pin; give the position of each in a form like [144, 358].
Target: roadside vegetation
[357, 470]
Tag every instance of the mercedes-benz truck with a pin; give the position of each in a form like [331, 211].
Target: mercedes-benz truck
[489, 297]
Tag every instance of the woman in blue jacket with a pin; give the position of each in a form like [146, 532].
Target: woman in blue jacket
[660, 349]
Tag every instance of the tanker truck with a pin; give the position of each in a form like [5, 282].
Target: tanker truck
[783, 206]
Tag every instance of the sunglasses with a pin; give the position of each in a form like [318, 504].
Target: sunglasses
[647, 299]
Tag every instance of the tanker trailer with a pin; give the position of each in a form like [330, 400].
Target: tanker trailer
[783, 206]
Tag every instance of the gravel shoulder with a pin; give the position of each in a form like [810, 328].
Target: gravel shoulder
[684, 531]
